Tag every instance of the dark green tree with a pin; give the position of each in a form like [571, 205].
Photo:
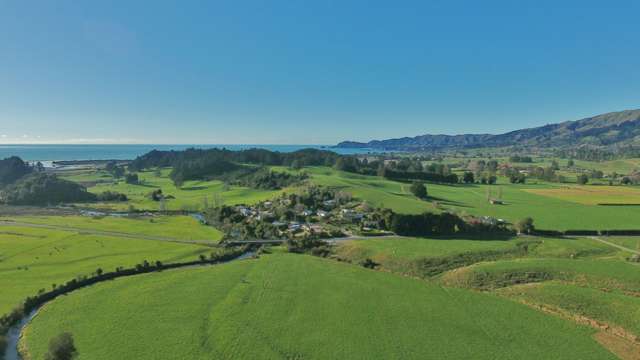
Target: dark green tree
[419, 189]
[582, 179]
[468, 178]
[62, 347]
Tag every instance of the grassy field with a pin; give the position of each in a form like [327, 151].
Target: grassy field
[176, 227]
[552, 206]
[602, 292]
[608, 307]
[593, 195]
[520, 201]
[375, 190]
[191, 196]
[416, 256]
[35, 258]
[632, 243]
[296, 306]
[599, 273]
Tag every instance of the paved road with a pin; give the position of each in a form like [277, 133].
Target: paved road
[103, 232]
[615, 245]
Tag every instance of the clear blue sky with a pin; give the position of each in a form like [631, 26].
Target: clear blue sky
[308, 72]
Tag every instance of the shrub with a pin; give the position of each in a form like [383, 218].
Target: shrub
[112, 196]
[582, 179]
[369, 264]
[62, 347]
[132, 179]
[525, 226]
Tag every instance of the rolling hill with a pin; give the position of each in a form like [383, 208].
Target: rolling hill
[607, 130]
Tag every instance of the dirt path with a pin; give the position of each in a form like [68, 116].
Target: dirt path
[615, 245]
[104, 232]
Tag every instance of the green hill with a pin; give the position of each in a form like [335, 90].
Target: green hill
[300, 307]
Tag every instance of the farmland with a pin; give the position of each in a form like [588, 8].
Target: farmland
[33, 258]
[593, 195]
[520, 201]
[530, 295]
[552, 206]
[421, 256]
[598, 292]
[191, 196]
[178, 228]
[282, 305]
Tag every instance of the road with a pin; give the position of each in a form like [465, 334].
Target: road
[104, 232]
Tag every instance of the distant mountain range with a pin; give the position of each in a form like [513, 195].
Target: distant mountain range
[606, 130]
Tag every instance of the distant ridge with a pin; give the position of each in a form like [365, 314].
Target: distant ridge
[606, 130]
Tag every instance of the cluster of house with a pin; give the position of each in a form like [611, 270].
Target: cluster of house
[307, 220]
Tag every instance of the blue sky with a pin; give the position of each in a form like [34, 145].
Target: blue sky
[308, 72]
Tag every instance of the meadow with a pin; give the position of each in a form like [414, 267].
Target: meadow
[36, 258]
[593, 195]
[179, 228]
[632, 243]
[609, 273]
[520, 201]
[423, 256]
[192, 196]
[552, 206]
[297, 306]
[601, 292]
[612, 308]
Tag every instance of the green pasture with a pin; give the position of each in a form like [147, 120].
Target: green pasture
[520, 201]
[297, 306]
[596, 273]
[375, 190]
[176, 227]
[191, 196]
[609, 307]
[35, 258]
[632, 243]
[403, 255]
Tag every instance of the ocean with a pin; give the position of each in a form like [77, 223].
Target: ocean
[130, 152]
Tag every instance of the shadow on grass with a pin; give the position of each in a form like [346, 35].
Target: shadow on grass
[147, 185]
[448, 202]
[476, 237]
[194, 188]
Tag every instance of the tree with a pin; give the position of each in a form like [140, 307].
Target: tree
[525, 226]
[132, 178]
[468, 177]
[419, 190]
[555, 165]
[582, 179]
[570, 163]
[62, 348]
